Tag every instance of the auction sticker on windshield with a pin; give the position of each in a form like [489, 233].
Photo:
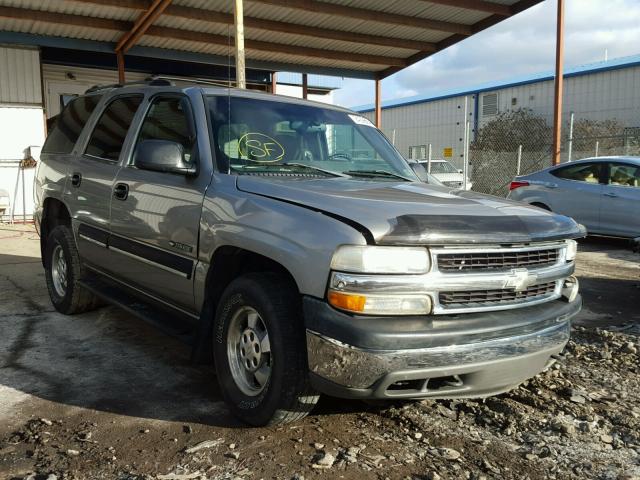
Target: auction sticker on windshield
[358, 120]
[261, 148]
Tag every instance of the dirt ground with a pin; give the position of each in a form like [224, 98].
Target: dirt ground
[104, 395]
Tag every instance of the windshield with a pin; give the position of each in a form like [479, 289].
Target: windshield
[256, 137]
[442, 167]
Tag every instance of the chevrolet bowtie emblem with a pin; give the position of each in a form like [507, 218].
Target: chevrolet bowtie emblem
[520, 279]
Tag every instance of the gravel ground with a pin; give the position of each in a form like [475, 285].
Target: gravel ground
[103, 395]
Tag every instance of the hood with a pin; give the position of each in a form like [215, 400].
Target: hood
[418, 213]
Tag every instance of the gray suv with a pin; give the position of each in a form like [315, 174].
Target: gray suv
[290, 242]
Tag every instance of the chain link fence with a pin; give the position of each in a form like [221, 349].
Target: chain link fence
[520, 142]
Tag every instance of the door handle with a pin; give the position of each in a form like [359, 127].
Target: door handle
[121, 191]
[610, 194]
[76, 179]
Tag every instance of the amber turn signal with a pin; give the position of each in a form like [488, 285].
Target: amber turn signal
[347, 301]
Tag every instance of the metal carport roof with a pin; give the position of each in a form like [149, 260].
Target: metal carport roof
[357, 38]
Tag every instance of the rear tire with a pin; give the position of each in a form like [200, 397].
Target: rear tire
[63, 271]
[259, 348]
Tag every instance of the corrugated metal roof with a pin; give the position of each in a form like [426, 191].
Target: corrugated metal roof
[112, 11]
[586, 69]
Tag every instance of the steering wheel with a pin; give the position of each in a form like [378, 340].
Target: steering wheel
[340, 155]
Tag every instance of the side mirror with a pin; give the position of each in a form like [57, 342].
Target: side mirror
[162, 156]
[420, 171]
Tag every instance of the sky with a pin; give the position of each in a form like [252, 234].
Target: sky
[518, 46]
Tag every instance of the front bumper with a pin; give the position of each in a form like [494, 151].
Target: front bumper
[471, 355]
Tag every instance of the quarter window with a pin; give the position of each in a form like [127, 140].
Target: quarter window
[583, 172]
[111, 130]
[69, 124]
[624, 175]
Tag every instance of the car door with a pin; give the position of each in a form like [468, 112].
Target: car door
[621, 200]
[91, 176]
[575, 190]
[155, 226]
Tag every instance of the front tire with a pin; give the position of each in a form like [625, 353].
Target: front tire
[63, 272]
[259, 348]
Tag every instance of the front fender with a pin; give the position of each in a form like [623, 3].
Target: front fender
[299, 239]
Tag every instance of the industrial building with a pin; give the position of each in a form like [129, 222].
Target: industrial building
[608, 90]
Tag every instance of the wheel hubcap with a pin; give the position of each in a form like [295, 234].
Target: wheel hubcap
[59, 271]
[249, 351]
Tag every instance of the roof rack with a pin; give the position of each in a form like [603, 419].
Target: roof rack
[199, 81]
[150, 81]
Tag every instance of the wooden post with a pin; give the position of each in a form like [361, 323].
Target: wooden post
[305, 86]
[238, 17]
[120, 58]
[378, 104]
[274, 82]
[557, 106]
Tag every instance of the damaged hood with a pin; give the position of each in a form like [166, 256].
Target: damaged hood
[418, 213]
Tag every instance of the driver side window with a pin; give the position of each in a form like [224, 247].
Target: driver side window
[170, 118]
[345, 141]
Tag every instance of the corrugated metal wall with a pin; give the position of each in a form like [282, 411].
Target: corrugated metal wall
[86, 76]
[63, 79]
[440, 124]
[20, 76]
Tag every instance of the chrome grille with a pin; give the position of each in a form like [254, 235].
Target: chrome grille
[475, 298]
[503, 260]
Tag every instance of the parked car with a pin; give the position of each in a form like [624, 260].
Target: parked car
[601, 193]
[446, 173]
[236, 220]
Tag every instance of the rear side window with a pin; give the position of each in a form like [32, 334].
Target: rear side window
[111, 130]
[69, 124]
[583, 172]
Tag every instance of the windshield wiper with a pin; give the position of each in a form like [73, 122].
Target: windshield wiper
[317, 169]
[375, 173]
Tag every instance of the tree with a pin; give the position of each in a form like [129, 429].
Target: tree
[508, 130]
[608, 133]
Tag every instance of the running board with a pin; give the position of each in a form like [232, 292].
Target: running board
[168, 320]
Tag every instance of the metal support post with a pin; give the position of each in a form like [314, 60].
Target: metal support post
[557, 106]
[238, 17]
[305, 86]
[570, 146]
[120, 59]
[519, 164]
[378, 106]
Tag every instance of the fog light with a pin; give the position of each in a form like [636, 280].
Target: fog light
[570, 288]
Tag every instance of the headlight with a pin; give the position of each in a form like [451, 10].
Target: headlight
[380, 304]
[372, 259]
[572, 249]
